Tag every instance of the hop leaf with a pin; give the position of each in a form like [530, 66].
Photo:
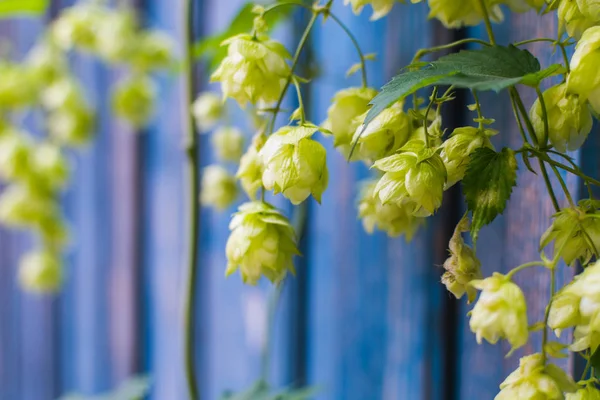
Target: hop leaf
[488, 185]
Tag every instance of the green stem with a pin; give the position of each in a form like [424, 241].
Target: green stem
[548, 40]
[423, 52]
[488, 23]
[513, 103]
[478, 109]
[544, 116]
[563, 185]
[587, 368]
[525, 266]
[548, 185]
[568, 169]
[300, 101]
[521, 107]
[426, 121]
[361, 55]
[547, 313]
[295, 61]
[192, 166]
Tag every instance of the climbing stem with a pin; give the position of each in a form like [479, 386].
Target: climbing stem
[361, 55]
[192, 166]
[488, 23]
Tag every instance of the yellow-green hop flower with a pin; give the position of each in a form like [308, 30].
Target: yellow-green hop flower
[590, 8]
[569, 120]
[534, 380]
[71, 127]
[571, 19]
[22, 206]
[153, 50]
[50, 166]
[219, 188]
[342, 116]
[462, 266]
[578, 305]
[584, 79]
[251, 168]
[381, 8]
[116, 40]
[47, 63]
[575, 231]
[384, 135]
[17, 87]
[228, 143]
[457, 149]
[78, 26]
[255, 70]
[587, 393]
[393, 219]
[53, 231]
[262, 243]
[133, 100]
[500, 312]
[41, 272]
[414, 177]
[207, 111]
[295, 165]
[455, 14]
[15, 151]
[62, 95]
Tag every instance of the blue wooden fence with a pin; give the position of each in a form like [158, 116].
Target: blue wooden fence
[365, 319]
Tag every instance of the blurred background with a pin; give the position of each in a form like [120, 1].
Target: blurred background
[366, 317]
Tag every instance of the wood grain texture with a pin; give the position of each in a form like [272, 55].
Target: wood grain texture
[514, 238]
[374, 303]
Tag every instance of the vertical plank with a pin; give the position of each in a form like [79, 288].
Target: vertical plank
[163, 238]
[233, 315]
[376, 303]
[514, 238]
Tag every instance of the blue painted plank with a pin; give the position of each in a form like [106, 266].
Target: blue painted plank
[372, 298]
[514, 238]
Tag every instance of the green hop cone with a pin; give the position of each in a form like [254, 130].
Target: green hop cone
[23, 206]
[500, 312]
[116, 38]
[153, 50]
[78, 26]
[576, 232]
[572, 20]
[569, 120]
[41, 272]
[15, 152]
[219, 188]
[462, 266]
[578, 305]
[584, 79]
[381, 8]
[262, 243]
[590, 8]
[50, 166]
[47, 63]
[534, 380]
[384, 135]
[414, 177]
[207, 111]
[228, 143]
[393, 219]
[17, 87]
[457, 149]
[295, 165]
[133, 100]
[251, 168]
[63, 94]
[71, 127]
[455, 14]
[255, 70]
[586, 393]
[343, 115]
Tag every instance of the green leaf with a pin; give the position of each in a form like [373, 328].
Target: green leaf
[135, 388]
[11, 8]
[488, 184]
[489, 68]
[209, 48]
[260, 390]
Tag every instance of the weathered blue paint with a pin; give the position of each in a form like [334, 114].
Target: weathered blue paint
[373, 332]
[514, 238]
